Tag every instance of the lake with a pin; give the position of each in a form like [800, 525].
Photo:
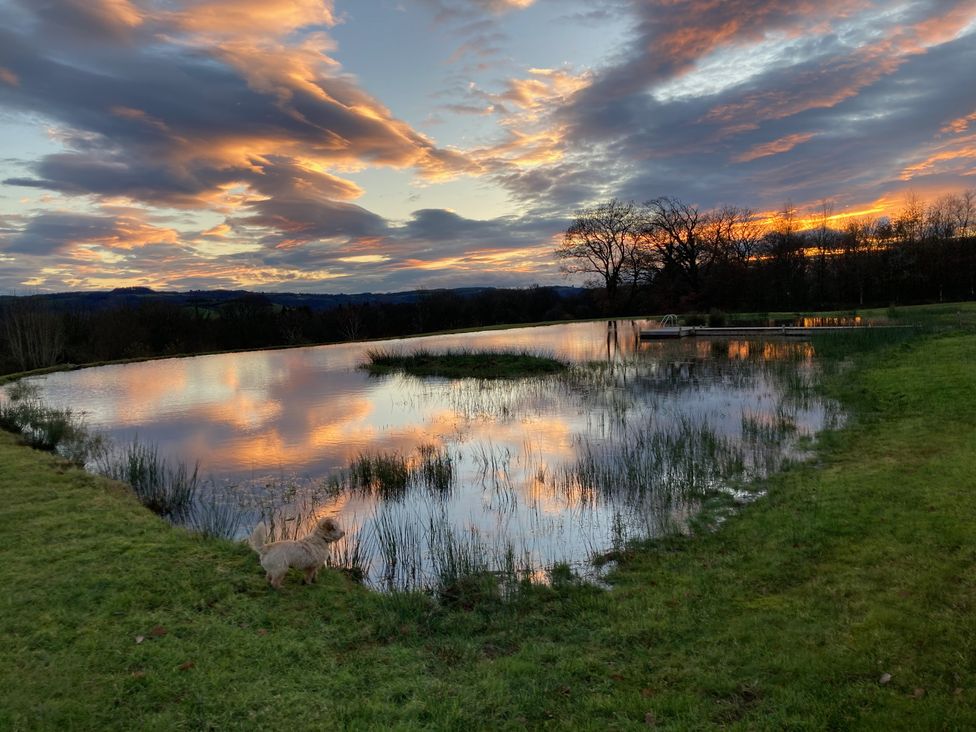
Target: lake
[494, 475]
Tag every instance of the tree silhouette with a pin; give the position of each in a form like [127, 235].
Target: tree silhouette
[606, 241]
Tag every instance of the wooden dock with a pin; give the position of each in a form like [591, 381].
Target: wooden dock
[736, 331]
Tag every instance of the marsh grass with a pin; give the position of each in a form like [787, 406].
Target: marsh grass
[768, 428]
[215, 515]
[457, 364]
[392, 475]
[671, 465]
[352, 554]
[165, 489]
[47, 428]
[400, 552]
[436, 468]
[386, 474]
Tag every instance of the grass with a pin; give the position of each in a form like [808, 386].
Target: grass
[857, 565]
[462, 364]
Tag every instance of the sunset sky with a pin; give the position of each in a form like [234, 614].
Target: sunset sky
[380, 145]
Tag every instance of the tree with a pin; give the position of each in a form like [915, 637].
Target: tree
[681, 246]
[34, 334]
[824, 242]
[606, 241]
[785, 256]
[732, 236]
[856, 247]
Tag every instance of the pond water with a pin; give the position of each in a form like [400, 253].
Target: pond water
[433, 476]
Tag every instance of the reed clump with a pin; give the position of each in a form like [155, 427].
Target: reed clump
[457, 364]
[47, 428]
[385, 474]
[164, 489]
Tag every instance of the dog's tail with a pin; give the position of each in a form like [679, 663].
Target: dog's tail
[258, 538]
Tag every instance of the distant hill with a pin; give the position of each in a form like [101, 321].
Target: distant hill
[133, 296]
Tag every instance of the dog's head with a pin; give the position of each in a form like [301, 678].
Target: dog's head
[328, 529]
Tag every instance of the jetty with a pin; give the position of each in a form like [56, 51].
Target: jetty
[795, 331]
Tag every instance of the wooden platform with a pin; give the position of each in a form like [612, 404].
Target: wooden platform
[776, 330]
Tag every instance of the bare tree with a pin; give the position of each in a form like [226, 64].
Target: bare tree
[34, 334]
[732, 234]
[962, 211]
[824, 241]
[608, 242]
[856, 248]
[680, 240]
[941, 219]
[911, 219]
[784, 253]
[965, 214]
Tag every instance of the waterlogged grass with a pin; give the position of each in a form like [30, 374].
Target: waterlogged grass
[43, 427]
[462, 364]
[390, 475]
[169, 490]
[845, 598]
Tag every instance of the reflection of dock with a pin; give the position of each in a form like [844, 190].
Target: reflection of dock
[772, 330]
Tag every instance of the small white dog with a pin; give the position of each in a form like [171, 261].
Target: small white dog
[307, 553]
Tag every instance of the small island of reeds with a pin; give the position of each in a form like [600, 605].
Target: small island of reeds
[456, 364]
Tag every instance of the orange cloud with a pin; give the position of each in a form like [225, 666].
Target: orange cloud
[8, 77]
[115, 17]
[783, 144]
[531, 137]
[523, 259]
[140, 116]
[544, 87]
[956, 156]
[253, 17]
[959, 125]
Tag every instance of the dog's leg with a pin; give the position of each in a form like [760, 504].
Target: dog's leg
[310, 575]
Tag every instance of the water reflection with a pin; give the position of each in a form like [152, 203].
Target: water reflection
[628, 442]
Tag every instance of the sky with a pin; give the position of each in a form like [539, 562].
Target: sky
[383, 145]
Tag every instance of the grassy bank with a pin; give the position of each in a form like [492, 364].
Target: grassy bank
[461, 364]
[859, 565]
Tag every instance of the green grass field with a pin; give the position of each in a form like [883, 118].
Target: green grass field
[857, 565]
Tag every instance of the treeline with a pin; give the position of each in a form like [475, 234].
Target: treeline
[35, 334]
[670, 256]
[660, 257]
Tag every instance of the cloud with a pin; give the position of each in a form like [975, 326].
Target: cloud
[224, 141]
[454, 9]
[800, 99]
[207, 105]
[782, 145]
[65, 232]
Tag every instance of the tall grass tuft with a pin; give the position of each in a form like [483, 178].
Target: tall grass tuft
[352, 554]
[46, 428]
[436, 468]
[168, 491]
[383, 474]
[215, 516]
